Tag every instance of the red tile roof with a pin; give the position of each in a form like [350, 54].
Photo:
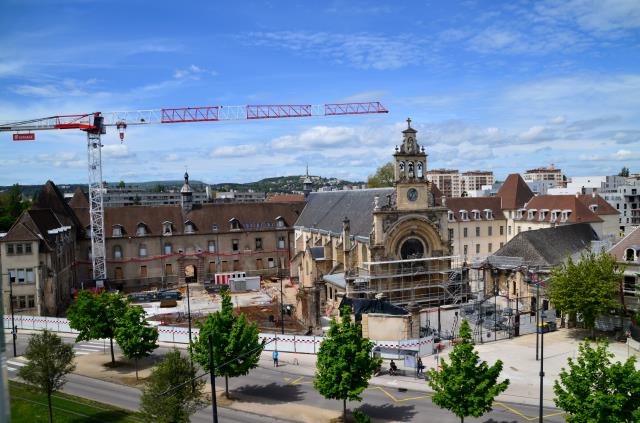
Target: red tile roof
[475, 203]
[514, 192]
[285, 198]
[580, 213]
[603, 208]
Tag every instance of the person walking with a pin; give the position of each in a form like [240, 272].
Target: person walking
[420, 366]
[275, 358]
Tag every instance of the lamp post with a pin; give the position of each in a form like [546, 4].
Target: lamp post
[193, 384]
[281, 302]
[541, 329]
[14, 334]
[212, 373]
[537, 316]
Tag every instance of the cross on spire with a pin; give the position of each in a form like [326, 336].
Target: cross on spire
[409, 122]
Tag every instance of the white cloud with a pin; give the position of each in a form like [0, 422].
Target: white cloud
[558, 120]
[317, 137]
[193, 72]
[241, 150]
[532, 133]
[599, 16]
[116, 151]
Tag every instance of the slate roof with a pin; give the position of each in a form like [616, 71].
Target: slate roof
[514, 192]
[327, 210]
[475, 203]
[579, 211]
[551, 246]
[361, 306]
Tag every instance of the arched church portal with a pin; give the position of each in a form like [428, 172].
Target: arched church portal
[412, 248]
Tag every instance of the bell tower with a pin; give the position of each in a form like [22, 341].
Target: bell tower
[412, 187]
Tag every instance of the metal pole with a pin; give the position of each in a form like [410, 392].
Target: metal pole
[14, 335]
[495, 310]
[212, 373]
[537, 318]
[193, 383]
[281, 303]
[541, 368]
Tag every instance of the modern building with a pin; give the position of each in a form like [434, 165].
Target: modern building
[627, 253]
[240, 196]
[551, 176]
[132, 196]
[625, 199]
[452, 183]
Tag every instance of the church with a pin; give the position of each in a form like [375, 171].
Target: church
[381, 243]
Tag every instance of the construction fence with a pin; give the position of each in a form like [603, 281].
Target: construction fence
[273, 341]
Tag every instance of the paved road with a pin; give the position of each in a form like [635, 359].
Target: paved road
[267, 385]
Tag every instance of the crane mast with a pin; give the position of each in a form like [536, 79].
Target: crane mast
[94, 124]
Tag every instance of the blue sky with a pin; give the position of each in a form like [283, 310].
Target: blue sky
[490, 85]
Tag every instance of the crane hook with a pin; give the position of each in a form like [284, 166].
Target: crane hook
[121, 126]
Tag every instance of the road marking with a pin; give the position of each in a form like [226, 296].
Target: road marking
[82, 353]
[524, 416]
[12, 369]
[296, 381]
[92, 349]
[16, 363]
[394, 399]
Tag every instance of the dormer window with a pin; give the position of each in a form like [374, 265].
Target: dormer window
[554, 215]
[488, 214]
[189, 227]
[279, 222]
[593, 208]
[141, 230]
[117, 231]
[451, 216]
[476, 214]
[464, 215]
[167, 228]
[543, 214]
[214, 227]
[520, 213]
[629, 254]
[234, 224]
[565, 215]
[531, 214]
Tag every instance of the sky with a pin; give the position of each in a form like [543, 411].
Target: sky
[489, 85]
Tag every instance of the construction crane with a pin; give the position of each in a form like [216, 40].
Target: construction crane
[95, 124]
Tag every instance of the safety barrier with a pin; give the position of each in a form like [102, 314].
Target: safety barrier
[273, 341]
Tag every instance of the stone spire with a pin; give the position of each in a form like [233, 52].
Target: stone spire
[186, 195]
[307, 185]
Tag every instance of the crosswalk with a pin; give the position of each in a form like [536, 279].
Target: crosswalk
[82, 348]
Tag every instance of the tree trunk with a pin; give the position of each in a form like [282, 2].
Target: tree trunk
[344, 410]
[50, 410]
[113, 357]
[461, 419]
[226, 386]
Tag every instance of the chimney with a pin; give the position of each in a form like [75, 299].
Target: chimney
[577, 194]
[444, 201]
[593, 194]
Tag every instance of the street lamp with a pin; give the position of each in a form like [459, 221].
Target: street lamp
[281, 301]
[14, 331]
[541, 330]
[193, 384]
[212, 373]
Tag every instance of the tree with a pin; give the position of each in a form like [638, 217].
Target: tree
[236, 343]
[135, 337]
[624, 172]
[384, 176]
[595, 390]
[344, 363]
[121, 185]
[173, 373]
[49, 361]
[97, 316]
[588, 286]
[466, 386]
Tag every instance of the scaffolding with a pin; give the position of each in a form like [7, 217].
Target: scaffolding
[421, 282]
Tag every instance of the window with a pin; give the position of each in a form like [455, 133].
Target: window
[214, 227]
[477, 230]
[188, 228]
[12, 275]
[465, 249]
[450, 233]
[259, 265]
[168, 248]
[142, 230]
[258, 243]
[118, 273]
[168, 269]
[142, 250]
[465, 232]
[117, 252]
[281, 242]
[270, 263]
[513, 289]
[211, 246]
[143, 271]
[490, 230]
[279, 222]
[116, 231]
[519, 229]
[31, 301]
[10, 249]
[22, 302]
[477, 248]
[490, 248]
[19, 249]
[235, 245]
[212, 267]
[235, 224]
[451, 216]
[27, 248]
[167, 228]
[501, 230]
[509, 230]
[21, 275]
[501, 244]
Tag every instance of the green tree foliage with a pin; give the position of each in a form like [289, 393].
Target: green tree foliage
[344, 364]
[384, 177]
[11, 206]
[624, 172]
[172, 374]
[135, 337]
[466, 386]
[595, 390]
[121, 185]
[589, 286]
[233, 337]
[97, 316]
[49, 361]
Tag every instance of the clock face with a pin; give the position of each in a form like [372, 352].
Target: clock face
[412, 194]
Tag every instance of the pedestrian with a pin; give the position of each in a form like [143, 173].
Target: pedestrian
[420, 366]
[275, 358]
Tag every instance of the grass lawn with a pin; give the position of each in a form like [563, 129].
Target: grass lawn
[28, 406]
